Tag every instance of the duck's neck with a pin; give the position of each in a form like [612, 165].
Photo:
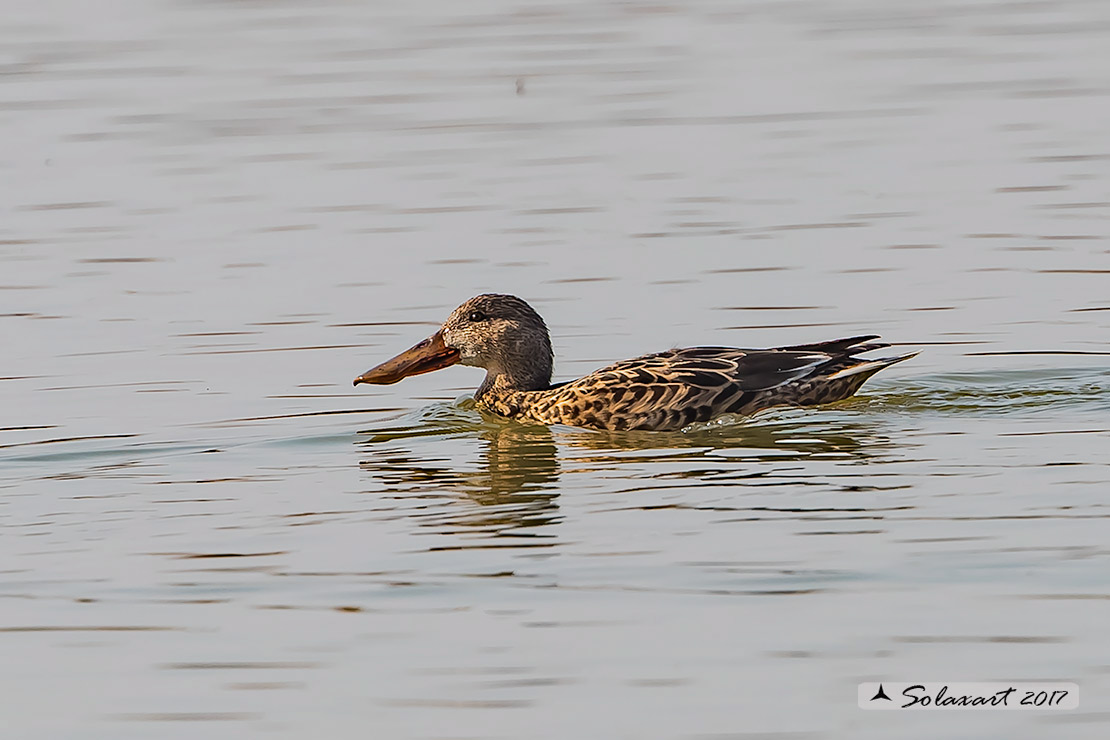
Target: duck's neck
[531, 377]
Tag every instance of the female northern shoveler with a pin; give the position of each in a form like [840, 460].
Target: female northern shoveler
[664, 391]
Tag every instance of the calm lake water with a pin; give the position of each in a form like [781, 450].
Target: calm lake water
[216, 214]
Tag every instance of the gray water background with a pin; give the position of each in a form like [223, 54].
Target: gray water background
[215, 214]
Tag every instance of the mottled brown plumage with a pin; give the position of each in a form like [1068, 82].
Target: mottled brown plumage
[663, 391]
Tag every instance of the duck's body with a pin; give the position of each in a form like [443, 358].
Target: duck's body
[670, 390]
[663, 391]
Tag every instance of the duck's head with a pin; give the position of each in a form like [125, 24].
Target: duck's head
[500, 333]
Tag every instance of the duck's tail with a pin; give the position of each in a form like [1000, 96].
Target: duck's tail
[867, 368]
[835, 379]
[844, 377]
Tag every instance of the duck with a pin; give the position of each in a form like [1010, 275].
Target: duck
[664, 391]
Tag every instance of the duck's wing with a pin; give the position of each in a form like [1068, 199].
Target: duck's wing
[669, 390]
[722, 367]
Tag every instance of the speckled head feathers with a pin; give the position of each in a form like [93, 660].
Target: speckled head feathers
[504, 335]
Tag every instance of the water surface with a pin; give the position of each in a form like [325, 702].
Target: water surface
[217, 214]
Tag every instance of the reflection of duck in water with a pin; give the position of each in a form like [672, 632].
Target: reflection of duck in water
[507, 485]
[664, 391]
[518, 488]
[769, 440]
[513, 488]
[518, 459]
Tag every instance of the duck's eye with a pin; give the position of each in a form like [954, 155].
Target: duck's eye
[476, 316]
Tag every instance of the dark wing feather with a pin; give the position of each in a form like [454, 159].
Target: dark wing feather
[758, 370]
[851, 345]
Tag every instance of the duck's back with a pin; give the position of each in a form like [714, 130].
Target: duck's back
[670, 390]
